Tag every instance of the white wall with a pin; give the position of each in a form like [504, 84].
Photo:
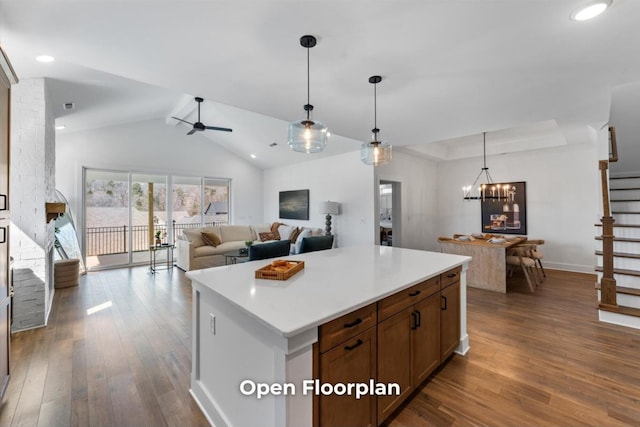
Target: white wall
[562, 199]
[417, 177]
[153, 146]
[344, 179]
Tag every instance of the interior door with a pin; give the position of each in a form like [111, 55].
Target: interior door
[7, 77]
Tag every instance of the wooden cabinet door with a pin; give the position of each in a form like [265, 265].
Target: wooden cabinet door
[5, 308]
[449, 320]
[426, 338]
[394, 359]
[353, 361]
[5, 300]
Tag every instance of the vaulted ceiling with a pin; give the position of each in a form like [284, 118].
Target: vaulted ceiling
[520, 69]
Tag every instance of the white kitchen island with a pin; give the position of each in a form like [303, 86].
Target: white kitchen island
[264, 330]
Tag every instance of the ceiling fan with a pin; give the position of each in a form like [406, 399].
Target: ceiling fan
[199, 126]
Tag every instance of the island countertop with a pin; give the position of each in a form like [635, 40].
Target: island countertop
[332, 283]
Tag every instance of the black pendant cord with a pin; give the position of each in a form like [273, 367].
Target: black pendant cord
[375, 80]
[484, 151]
[375, 112]
[308, 85]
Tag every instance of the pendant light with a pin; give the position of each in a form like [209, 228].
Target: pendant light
[306, 135]
[375, 152]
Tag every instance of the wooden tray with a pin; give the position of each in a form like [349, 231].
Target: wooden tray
[267, 273]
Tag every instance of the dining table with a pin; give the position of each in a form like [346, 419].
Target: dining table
[488, 266]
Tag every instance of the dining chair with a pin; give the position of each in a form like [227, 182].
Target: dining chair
[518, 256]
[269, 250]
[537, 255]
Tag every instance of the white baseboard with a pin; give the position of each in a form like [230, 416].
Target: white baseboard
[576, 268]
[619, 319]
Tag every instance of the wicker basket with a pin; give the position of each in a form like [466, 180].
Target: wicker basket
[266, 272]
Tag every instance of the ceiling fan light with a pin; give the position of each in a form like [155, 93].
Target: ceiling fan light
[375, 153]
[306, 136]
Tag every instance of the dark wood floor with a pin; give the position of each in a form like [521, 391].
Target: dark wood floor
[537, 359]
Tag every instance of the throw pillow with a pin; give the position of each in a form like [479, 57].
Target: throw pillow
[294, 234]
[304, 233]
[285, 231]
[211, 238]
[268, 236]
[274, 227]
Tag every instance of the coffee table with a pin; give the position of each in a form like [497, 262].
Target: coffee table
[233, 257]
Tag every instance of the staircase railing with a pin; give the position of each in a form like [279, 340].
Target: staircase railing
[608, 297]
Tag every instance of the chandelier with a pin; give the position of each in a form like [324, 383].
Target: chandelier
[486, 189]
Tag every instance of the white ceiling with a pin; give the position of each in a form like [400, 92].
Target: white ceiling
[520, 69]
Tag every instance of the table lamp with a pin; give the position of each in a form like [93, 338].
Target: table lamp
[329, 208]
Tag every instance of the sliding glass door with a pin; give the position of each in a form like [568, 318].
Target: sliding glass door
[216, 201]
[125, 211]
[106, 223]
[148, 214]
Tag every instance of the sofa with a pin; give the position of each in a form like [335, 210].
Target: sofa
[194, 253]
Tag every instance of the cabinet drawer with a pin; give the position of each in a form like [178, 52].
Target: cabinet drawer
[450, 277]
[346, 327]
[398, 301]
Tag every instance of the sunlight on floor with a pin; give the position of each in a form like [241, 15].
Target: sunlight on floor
[99, 307]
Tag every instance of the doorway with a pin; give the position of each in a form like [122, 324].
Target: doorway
[389, 213]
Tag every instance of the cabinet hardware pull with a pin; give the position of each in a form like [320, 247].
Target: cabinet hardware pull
[351, 347]
[4, 235]
[413, 294]
[354, 323]
[4, 202]
[444, 300]
[452, 275]
[418, 318]
[414, 320]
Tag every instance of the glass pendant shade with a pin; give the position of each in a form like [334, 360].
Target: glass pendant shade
[306, 136]
[375, 153]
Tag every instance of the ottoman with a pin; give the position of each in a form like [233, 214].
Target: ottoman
[66, 272]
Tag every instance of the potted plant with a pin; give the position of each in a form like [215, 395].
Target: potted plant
[247, 243]
[158, 241]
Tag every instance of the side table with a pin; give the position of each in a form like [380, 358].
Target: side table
[236, 256]
[153, 253]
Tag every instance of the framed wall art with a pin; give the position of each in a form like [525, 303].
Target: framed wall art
[294, 204]
[504, 208]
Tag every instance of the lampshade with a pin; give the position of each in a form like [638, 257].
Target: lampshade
[331, 208]
[375, 153]
[307, 136]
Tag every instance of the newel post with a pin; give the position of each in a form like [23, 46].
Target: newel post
[607, 283]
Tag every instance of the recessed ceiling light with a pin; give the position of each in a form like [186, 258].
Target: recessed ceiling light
[60, 127]
[45, 58]
[590, 10]
[253, 156]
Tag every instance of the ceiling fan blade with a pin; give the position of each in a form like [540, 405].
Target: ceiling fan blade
[181, 120]
[217, 128]
[191, 132]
